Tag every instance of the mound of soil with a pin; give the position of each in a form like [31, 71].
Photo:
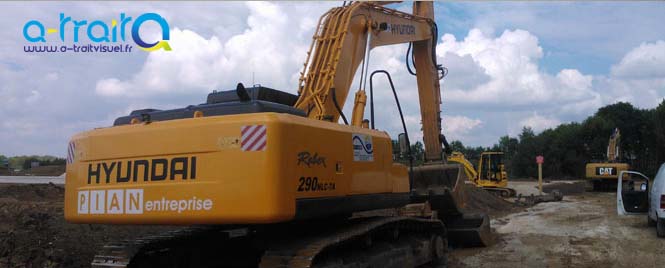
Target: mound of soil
[34, 233]
[476, 199]
[566, 188]
[32, 192]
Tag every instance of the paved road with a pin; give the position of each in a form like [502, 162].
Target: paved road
[32, 179]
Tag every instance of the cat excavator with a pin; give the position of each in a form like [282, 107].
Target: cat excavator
[603, 175]
[259, 177]
[490, 174]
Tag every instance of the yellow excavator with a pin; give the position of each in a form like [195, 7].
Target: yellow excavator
[264, 178]
[490, 175]
[604, 175]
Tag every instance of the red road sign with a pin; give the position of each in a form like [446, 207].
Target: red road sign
[540, 159]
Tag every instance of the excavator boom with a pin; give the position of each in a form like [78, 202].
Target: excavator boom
[613, 146]
[458, 157]
[343, 40]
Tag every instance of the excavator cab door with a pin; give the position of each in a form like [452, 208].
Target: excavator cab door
[632, 193]
[490, 167]
[495, 166]
[483, 167]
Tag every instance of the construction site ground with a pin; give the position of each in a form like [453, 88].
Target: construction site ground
[583, 230]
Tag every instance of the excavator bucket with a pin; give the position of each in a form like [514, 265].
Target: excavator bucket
[442, 186]
[469, 230]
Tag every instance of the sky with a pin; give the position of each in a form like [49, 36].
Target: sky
[511, 64]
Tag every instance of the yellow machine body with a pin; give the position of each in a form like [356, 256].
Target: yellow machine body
[261, 156]
[490, 171]
[203, 171]
[605, 171]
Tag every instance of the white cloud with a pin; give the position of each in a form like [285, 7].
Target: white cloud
[52, 76]
[643, 62]
[639, 77]
[457, 127]
[34, 96]
[270, 51]
[487, 72]
[538, 122]
[510, 63]
[112, 87]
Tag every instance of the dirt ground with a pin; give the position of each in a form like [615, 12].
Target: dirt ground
[583, 230]
[33, 232]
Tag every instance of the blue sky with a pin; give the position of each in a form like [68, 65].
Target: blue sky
[512, 64]
[588, 36]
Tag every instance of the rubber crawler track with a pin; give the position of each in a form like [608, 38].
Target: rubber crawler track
[288, 249]
[303, 255]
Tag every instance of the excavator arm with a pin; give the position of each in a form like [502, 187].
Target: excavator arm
[342, 42]
[613, 146]
[458, 157]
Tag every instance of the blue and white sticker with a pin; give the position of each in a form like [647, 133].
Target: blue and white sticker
[363, 150]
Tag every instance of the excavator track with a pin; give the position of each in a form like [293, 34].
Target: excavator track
[372, 241]
[366, 242]
[501, 192]
[186, 247]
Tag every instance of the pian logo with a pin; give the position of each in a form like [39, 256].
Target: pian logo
[95, 36]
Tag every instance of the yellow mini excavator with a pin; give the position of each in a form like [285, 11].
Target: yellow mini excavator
[603, 175]
[490, 175]
[262, 178]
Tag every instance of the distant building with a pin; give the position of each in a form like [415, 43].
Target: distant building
[34, 164]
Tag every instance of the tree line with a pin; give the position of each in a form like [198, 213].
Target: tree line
[25, 162]
[568, 147]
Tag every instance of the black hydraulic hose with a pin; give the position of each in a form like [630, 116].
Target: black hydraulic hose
[409, 53]
[371, 100]
[339, 110]
[401, 115]
[408, 65]
[435, 34]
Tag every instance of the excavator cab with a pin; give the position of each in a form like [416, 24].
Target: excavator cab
[489, 168]
[492, 170]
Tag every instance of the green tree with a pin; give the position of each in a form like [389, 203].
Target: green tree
[658, 121]
[568, 147]
[526, 151]
[457, 146]
[418, 152]
[4, 161]
[508, 145]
